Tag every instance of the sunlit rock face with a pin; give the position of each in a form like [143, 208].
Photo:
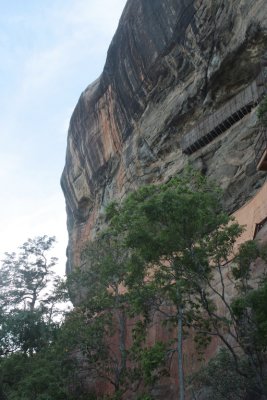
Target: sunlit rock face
[170, 64]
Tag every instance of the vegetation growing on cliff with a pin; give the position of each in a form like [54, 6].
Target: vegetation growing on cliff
[112, 350]
[167, 255]
[245, 378]
[170, 226]
[186, 244]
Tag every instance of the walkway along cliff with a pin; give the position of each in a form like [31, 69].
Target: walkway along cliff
[230, 113]
[181, 85]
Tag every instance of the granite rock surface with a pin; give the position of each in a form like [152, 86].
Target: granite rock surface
[170, 64]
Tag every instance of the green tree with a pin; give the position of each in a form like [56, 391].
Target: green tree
[44, 376]
[30, 292]
[25, 276]
[183, 234]
[220, 380]
[100, 280]
[111, 344]
[30, 319]
[187, 241]
[245, 378]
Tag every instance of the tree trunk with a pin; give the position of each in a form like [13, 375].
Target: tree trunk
[180, 352]
[122, 340]
[121, 367]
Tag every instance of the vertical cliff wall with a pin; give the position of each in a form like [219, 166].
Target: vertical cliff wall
[170, 64]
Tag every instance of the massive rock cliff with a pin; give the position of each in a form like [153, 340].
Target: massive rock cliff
[170, 64]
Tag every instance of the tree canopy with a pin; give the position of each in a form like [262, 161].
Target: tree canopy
[167, 253]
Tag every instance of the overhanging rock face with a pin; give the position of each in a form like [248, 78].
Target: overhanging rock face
[170, 65]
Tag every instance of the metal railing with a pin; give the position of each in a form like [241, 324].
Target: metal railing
[226, 116]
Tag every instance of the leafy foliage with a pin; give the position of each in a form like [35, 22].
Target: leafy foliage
[25, 276]
[220, 380]
[251, 313]
[37, 378]
[162, 250]
[181, 233]
[185, 240]
[28, 307]
[110, 350]
[29, 324]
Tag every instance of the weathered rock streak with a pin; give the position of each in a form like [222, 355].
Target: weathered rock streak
[170, 65]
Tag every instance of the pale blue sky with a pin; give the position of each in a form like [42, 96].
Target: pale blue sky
[50, 50]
